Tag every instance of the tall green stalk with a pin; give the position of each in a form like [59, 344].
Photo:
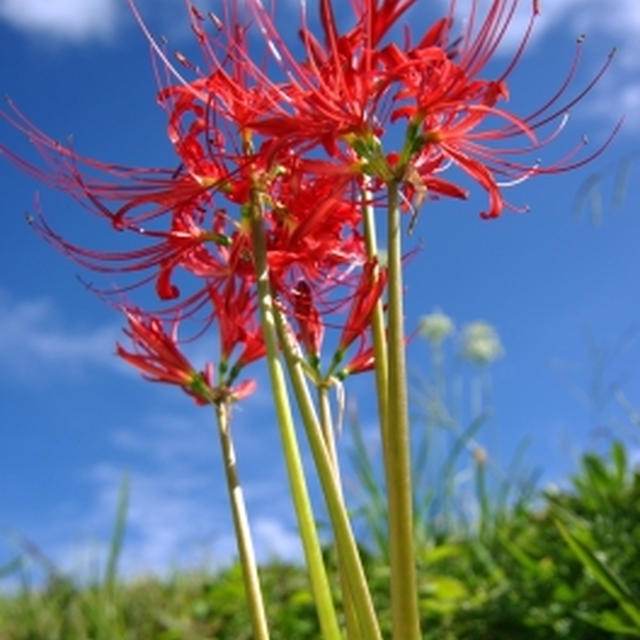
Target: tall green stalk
[241, 524]
[378, 331]
[302, 503]
[345, 541]
[404, 596]
[326, 424]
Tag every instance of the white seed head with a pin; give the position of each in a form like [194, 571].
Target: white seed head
[436, 326]
[481, 343]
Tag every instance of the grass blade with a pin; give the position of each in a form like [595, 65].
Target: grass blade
[115, 546]
[607, 579]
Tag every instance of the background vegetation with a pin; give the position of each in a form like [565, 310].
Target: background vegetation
[498, 559]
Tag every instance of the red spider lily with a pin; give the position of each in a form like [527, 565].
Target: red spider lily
[448, 103]
[366, 296]
[233, 91]
[214, 257]
[144, 193]
[130, 197]
[185, 245]
[342, 89]
[235, 312]
[363, 360]
[308, 319]
[312, 231]
[338, 89]
[157, 355]
[335, 91]
[340, 96]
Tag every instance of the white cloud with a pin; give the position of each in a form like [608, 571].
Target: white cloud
[178, 512]
[620, 17]
[614, 22]
[627, 103]
[177, 441]
[276, 540]
[72, 20]
[33, 340]
[618, 24]
[80, 22]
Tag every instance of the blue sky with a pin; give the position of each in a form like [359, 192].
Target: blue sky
[73, 419]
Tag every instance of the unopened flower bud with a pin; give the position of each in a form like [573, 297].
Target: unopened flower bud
[480, 455]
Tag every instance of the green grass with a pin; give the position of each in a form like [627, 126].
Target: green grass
[567, 568]
[497, 559]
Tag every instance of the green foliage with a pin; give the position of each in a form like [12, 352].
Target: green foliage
[193, 606]
[503, 563]
[590, 199]
[567, 568]
[117, 536]
[526, 579]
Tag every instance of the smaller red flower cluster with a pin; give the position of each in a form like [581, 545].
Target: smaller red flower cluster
[157, 355]
[308, 136]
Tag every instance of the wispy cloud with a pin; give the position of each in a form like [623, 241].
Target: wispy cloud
[618, 25]
[178, 513]
[83, 22]
[68, 20]
[619, 18]
[615, 23]
[33, 338]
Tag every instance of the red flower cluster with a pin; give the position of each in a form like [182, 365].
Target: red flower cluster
[307, 133]
[157, 355]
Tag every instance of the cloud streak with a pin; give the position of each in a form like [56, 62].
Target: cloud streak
[74, 21]
[33, 341]
[178, 513]
[615, 23]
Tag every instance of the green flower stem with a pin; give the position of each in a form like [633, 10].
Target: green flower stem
[345, 541]
[378, 332]
[404, 596]
[481, 491]
[241, 524]
[302, 503]
[326, 424]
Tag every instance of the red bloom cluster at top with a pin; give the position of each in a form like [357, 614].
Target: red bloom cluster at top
[310, 134]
